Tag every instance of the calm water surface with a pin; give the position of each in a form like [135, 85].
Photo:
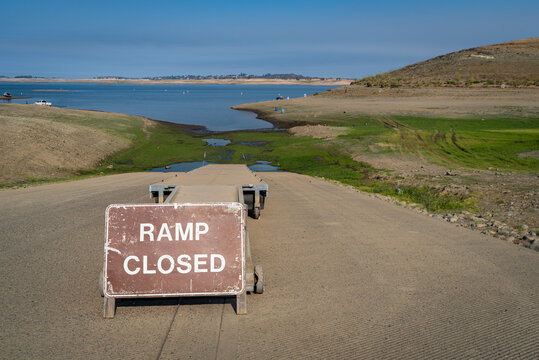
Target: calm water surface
[205, 105]
[260, 166]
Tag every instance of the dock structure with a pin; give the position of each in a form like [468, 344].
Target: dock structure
[193, 242]
[254, 189]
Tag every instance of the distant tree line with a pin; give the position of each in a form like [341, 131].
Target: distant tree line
[290, 76]
[112, 77]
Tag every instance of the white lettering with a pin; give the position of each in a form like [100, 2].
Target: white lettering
[212, 262]
[181, 232]
[184, 234]
[164, 232]
[126, 265]
[199, 262]
[148, 232]
[184, 263]
[160, 261]
[145, 266]
[201, 232]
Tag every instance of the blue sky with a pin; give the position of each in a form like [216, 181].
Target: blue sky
[335, 38]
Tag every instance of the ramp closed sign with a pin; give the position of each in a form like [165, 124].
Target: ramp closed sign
[158, 250]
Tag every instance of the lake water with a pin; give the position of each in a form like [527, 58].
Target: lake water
[217, 142]
[205, 105]
[181, 167]
[260, 166]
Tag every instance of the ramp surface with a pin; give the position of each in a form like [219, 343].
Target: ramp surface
[205, 193]
[215, 174]
[346, 275]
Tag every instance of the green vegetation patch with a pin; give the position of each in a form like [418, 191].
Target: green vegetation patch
[331, 160]
[429, 198]
[472, 143]
[163, 144]
[475, 143]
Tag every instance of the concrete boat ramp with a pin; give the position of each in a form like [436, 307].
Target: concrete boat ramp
[346, 276]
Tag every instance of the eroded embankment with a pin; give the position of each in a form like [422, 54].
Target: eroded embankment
[49, 143]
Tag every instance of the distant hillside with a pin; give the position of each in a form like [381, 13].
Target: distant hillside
[236, 76]
[514, 63]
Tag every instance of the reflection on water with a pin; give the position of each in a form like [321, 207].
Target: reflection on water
[262, 166]
[253, 143]
[181, 167]
[217, 142]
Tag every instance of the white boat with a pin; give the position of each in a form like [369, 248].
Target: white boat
[43, 102]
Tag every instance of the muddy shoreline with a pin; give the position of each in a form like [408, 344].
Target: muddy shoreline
[14, 97]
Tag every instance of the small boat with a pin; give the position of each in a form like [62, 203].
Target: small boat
[6, 94]
[280, 97]
[43, 102]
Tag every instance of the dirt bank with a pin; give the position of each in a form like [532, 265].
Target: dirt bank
[339, 104]
[42, 142]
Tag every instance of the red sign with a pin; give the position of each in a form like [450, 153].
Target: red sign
[156, 250]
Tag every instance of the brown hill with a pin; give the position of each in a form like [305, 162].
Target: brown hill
[514, 63]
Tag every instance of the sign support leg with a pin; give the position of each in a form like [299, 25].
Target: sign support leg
[109, 307]
[241, 304]
[256, 204]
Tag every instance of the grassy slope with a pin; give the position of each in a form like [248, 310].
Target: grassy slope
[127, 126]
[473, 143]
[514, 63]
[464, 142]
[153, 143]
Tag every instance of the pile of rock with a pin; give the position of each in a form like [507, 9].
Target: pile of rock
[522, 236]
[486, 224]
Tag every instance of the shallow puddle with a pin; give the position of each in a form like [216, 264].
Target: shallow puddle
[217, 142]
[262, 166]
[181, 167]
